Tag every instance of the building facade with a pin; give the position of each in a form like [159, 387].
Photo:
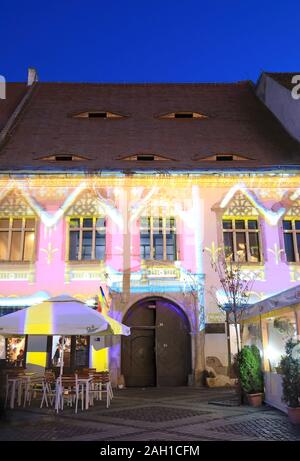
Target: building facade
[137, 189]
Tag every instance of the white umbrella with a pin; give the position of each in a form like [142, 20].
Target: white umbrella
[62, 316]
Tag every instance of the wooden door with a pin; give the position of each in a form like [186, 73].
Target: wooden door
[138, 349]
[158, 350]
[173, 353]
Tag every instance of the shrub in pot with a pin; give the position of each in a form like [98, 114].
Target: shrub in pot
[250, 374]
[290, 370]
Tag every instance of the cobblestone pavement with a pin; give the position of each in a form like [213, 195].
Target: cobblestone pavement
[153, 414]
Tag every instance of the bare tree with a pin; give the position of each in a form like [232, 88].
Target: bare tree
[236, 288]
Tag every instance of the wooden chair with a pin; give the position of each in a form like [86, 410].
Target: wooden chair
[101, 385]
[67, 390]
[49, 388]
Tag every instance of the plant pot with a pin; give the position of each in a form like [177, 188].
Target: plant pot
[255, 400]
[294, 415]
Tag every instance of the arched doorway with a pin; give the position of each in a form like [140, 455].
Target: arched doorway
[158, 351]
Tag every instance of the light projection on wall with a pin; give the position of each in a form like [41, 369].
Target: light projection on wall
[272, 217]
[276, 252]
[23, 301]
[123, 201]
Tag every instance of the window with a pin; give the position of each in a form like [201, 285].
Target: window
[279, 330]
[241, 239]
[221, 157]
[99, 114]
[145, 158]
[86, 239]
[76, 351]
[158, 238]
[17, 237]
[182, 115]
[63, 158]
[15, 351]
[224, 158]
[291, 233]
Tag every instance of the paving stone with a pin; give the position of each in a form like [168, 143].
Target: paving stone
[45, 431]
[262, 428]
[153, 414]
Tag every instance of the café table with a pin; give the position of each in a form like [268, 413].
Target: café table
[86, 382]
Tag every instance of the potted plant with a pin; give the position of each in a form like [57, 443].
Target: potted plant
[290, 369]
[250, 374]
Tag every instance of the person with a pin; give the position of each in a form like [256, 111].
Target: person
[20, 358]
[57, 354]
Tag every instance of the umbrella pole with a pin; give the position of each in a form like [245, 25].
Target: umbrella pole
[62, 356]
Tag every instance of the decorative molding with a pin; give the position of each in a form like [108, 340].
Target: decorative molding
[13, 204]
[87, 204]
[214, 251]
[272, 217]
[83, 271]
[276, 252]
[49, 251]
[25, 273]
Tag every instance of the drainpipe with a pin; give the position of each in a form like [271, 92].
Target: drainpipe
[126, 245]
[199, 333]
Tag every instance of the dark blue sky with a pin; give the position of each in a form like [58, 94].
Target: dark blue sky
[148, 40]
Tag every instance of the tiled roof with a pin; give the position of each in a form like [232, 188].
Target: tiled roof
[237, 122]
[14, 94]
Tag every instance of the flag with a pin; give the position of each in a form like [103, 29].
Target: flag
[99, 307]
[103, 305]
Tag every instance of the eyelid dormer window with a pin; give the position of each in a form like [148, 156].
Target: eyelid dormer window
[99, 114]
[63, 158]
[182, 115]
[222, 157]
[146, 158]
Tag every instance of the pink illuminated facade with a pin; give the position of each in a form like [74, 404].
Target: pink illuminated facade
[146, 226]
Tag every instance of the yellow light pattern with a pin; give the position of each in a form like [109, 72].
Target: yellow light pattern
[100, 359]
[272, 180]
[39, 320]
[36, 358]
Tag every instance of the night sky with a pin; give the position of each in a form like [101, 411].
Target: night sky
[148, 41]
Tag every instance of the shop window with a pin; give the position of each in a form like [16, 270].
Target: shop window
[76, 352]
[86, 239]
[279, 329]
[291, 233]
[251, 335]
[17, 239]
[158, 238]
[15, 351]
[241, 240]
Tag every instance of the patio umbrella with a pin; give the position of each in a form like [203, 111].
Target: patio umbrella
[61, 316]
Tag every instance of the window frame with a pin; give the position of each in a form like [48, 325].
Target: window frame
[246, 232]
[10, 229]
[81, 229]
[294, 233]
[164, 229]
